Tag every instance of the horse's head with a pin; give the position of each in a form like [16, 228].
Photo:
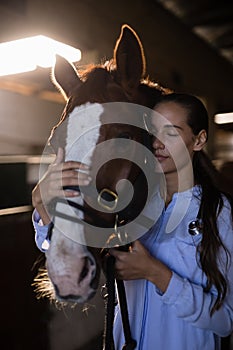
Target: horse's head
[102, 125]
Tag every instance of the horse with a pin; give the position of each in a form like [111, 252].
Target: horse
[103, 125]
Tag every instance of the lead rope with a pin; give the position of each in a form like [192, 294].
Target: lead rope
[130, 343]
[109, 296]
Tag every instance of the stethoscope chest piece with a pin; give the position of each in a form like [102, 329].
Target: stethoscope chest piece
[195, 227]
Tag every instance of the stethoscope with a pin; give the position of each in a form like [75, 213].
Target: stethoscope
[195, 227]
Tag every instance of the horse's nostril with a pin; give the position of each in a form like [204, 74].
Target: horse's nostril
[71, 297]
[85, 270]
[68, 297]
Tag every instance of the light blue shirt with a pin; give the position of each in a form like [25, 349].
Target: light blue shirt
[180, 318]
[41, 232]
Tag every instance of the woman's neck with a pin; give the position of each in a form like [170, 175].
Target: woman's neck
[175, 184]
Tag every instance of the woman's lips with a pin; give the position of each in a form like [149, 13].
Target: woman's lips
[160, 157]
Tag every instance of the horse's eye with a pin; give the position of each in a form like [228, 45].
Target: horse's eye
[124, 135]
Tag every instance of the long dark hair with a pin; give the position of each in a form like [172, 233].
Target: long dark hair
[206, 175]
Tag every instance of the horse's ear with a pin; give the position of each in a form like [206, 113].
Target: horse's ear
[65, 77]
[130, 59]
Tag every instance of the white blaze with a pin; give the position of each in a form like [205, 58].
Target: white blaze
[83, 126]
[67, 246]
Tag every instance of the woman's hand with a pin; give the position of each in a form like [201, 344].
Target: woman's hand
[133, 264]
[58, 175]
[139, 264]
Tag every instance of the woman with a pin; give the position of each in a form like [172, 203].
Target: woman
[178, 276]
[179, 279]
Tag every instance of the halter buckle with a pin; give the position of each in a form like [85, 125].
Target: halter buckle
[112, 196]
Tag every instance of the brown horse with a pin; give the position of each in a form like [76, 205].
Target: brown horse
[102, 125]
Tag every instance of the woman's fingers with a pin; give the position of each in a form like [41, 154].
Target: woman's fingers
[60, 156]
[62, 175]
[70, 165]
[75, 165]
[68, 178]
[67, 175]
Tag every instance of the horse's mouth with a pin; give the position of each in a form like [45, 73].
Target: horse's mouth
[66, 290]
[71, 298]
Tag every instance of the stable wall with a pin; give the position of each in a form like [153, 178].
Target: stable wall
[25, 123]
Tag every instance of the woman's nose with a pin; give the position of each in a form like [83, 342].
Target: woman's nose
[157, 143]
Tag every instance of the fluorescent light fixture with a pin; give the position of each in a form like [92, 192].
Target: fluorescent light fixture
[24, 55]
[223, 118]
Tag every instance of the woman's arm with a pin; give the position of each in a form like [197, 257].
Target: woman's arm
[188, 300]
[41, 232]
[191, 303]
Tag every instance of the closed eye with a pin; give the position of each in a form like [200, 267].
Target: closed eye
[165, 132]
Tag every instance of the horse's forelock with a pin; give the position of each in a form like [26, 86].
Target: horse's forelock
[99, 86]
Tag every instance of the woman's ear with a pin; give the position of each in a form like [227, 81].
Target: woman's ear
[200, 140]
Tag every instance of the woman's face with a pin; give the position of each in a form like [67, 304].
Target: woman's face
[174, 142]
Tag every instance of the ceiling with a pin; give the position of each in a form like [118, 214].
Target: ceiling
[212, 20]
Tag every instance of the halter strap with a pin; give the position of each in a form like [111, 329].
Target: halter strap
[53, 210]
